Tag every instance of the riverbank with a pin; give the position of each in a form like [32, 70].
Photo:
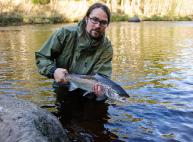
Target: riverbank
[26, 12]
[7, 19]
[14, 19]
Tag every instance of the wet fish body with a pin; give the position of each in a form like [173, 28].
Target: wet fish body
[86, 82]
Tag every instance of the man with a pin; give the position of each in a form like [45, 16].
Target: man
[82, 49]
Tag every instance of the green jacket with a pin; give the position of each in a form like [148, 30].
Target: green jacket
[73, 49]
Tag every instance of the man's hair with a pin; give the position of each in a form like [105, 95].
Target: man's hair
[102, 6]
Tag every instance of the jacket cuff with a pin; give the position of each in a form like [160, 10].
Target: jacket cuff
[52, 70]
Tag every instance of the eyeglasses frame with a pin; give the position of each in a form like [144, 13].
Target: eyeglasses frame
[95, 20]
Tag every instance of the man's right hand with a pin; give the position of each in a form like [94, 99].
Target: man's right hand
[59, 75]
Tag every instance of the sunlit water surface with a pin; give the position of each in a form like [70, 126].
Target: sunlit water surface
[152, 62]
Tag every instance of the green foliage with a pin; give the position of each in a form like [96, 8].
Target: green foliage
[10, 19]
[43, 20]
[167, 18]
[40, 1]
[42, 13]
[119, 17]
[56, 19]
[185, 18]
[155, 18]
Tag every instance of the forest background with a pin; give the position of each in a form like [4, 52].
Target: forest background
[17, 12]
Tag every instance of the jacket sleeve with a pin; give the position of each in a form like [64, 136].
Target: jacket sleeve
[104, 64]
[46, 56]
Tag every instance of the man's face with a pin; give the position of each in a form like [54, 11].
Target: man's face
[97, 22]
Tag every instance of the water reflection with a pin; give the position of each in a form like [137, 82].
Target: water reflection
[82, 118]
[152, 61]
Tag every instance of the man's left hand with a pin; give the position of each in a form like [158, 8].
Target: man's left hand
[98, 89]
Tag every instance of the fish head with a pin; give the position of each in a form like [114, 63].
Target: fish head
[112, 94]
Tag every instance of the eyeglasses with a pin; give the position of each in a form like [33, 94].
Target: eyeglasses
[95, 20]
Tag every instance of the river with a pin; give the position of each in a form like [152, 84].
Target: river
[152, 62]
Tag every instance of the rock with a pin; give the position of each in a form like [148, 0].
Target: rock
[22, 121]
[134, 19]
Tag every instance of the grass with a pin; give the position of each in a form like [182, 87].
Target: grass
[18, 19]
[43, 20]
[50, 12]
[168, 18]
[119, 17]
[10, 19]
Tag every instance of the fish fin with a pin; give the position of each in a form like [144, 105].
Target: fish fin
[101, 98]
[86, 93]
[89, 95]
[72, 86]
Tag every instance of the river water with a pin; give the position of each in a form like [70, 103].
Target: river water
[152, 62]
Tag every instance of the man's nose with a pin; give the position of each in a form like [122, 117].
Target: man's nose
[97, 24]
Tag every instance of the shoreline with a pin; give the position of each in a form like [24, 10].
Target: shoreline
[18, 20]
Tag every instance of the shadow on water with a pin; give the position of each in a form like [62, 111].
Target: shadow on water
[82, 118]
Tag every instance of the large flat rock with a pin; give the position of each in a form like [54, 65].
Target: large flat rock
[22, 121]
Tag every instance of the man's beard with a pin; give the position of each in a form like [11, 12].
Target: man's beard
[92, 34]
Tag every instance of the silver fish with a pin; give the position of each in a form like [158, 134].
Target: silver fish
[109, 88]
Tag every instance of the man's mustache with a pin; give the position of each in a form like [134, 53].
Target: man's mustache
[97, 30]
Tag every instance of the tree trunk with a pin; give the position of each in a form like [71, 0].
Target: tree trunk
[142, 6]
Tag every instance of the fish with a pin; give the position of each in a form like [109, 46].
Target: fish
[110, 89]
